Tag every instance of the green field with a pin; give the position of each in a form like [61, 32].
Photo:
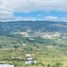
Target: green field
[48, 53]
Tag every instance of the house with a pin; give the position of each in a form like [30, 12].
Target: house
[23, 45]
[28, 55]
[29, 59]
[53, 35]
[25, 34]
[64, 36]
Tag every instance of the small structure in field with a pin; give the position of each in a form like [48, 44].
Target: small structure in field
[23, 45]
[30, 60]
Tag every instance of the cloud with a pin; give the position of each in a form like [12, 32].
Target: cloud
[51, 18]
[30, 5]
[55, 18]
[46, 18]
[5, 11]
[28, 19]
[8, 7]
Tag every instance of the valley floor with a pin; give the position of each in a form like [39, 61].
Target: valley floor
[48, 53]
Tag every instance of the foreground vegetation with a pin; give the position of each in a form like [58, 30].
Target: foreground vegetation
[48, 53]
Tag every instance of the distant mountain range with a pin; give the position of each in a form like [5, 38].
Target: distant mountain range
[7, 28]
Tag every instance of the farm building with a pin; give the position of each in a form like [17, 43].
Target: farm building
[30, 60]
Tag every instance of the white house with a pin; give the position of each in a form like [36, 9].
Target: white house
[28, 55]
[51, 35]
[30, 60]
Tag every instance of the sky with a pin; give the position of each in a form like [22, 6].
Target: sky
[33, 10]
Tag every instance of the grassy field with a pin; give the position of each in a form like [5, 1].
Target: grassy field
[48, 53]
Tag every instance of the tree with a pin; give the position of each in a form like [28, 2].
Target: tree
[58, 64]
[16, 47]
[1, 46]
[48, 65]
